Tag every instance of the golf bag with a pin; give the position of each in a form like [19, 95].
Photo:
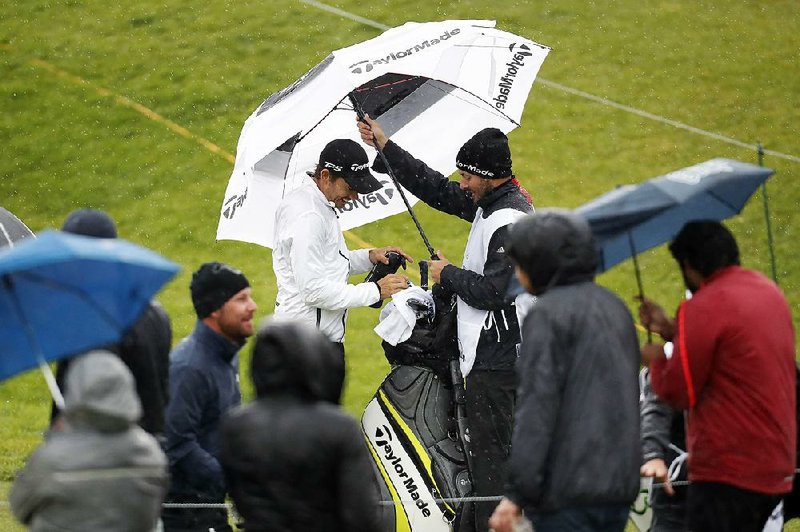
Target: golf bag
[411, 431]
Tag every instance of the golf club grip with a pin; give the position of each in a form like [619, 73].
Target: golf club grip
[381, 270]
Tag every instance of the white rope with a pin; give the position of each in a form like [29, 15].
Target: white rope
[582, 94]
[346, 14]
[447, 500]
[663, 120]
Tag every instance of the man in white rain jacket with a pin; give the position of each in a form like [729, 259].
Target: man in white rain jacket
[310, 257]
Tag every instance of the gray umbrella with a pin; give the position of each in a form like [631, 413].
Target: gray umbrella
[12, 229]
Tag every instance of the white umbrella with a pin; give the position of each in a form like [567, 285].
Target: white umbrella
[432, 86]
[12, 229]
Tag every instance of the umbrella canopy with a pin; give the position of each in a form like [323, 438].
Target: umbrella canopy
[62, 294]
[420, 80]
[634, 218]
[12, 229]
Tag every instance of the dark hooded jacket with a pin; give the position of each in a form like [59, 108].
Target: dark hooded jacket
[576, 432]
[293, 459]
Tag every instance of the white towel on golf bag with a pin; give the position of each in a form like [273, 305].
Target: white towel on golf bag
[397, 319]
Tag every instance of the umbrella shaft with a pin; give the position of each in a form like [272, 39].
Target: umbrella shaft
[360, 112]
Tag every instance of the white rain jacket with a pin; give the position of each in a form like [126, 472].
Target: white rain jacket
[312, 264]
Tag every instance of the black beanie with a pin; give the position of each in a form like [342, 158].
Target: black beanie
[213, 284]
[486, 154]
[90, 222]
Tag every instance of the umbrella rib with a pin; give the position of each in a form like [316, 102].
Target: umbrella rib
[398, 82]
[491, 107]
[321, 120]
[723, 201]
[73, 290]
[6, 235]
[55, 392]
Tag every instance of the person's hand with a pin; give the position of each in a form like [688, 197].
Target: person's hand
[435, 267]
[654, 318]
[391, 284]
[651, 352]
[371, 132]
[657, 469]
[379, 254]
[505, 516]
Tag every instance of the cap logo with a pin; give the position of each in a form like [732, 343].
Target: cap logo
[359, 167]
[334, 167]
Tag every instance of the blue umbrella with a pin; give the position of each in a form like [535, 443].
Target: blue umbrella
[634, 218]
[63, 294]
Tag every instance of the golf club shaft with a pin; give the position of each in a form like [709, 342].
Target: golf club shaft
[360, 113]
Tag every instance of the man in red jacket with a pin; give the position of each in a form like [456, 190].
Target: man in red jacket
[729, 361]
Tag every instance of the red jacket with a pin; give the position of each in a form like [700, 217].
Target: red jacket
[733, 369]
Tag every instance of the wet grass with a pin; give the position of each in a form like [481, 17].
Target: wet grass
[67, 143]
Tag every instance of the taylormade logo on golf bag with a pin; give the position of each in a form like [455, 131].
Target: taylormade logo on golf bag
[506, 82]
[383, 438]
[233, 203]
[365, 201]
[369, 64]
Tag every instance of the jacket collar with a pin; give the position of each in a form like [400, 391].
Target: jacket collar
[493, 196]
[216, 343]
[722, 272]
[317, 194]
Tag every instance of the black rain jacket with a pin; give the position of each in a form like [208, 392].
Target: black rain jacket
[576, 426]
[293, 460]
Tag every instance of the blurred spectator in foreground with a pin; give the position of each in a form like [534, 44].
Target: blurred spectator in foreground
[575, 452]
[729, 361]
[144, 348]
[204, 385]
[663, 442]
[292, 459]
[99, 471]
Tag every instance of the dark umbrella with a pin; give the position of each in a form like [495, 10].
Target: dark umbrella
[12, 229]
[634, 218]
[63, 294]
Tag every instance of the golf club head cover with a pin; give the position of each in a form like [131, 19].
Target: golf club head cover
[381, 270]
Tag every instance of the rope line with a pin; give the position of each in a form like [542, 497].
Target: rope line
[582, 94]
[444, 500]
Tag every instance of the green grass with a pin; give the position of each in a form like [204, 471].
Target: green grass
[726, 67]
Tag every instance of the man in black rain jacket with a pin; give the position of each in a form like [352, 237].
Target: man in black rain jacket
[575, 454]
